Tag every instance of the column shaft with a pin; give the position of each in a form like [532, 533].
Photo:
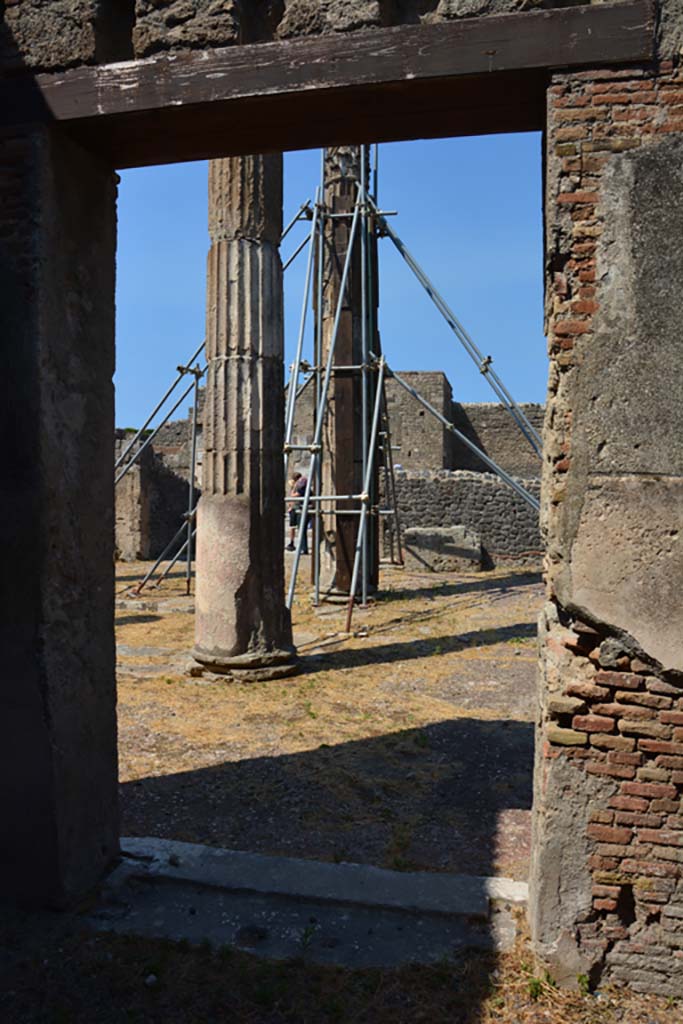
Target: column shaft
[242, 624]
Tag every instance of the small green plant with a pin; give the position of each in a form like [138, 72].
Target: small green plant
[421, 740]
[307, 937]
[583, 981]
[309, 710]
[535, 987]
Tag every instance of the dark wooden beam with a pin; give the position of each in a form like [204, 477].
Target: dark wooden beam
[471, 76]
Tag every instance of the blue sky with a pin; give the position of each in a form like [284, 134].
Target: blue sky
[469, 211]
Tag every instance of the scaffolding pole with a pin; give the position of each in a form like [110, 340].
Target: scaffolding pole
[365, 366]
[320, 411]
[498, 470]
[484, 363]
[193, 465]
[365, 497]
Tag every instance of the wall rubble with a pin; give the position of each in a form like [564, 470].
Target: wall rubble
[508, 527]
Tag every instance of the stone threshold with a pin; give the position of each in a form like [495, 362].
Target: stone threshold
[347, 915]
[345, 883]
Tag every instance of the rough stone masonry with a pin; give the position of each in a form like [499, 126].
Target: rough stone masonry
[607, 881]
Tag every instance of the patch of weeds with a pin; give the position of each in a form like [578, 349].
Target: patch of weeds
[309, 710]
[421, 740]
[583, 981]
[536, 987]
[306, 937]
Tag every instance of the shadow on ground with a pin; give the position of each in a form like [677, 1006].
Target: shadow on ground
[135, 619]
[408, 650]
[453, 796]
[483, 583]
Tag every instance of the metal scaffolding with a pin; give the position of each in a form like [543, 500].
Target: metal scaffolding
[182, 542]
[368, 224]
[370, 503]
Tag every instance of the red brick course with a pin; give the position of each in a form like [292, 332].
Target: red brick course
[633, 718]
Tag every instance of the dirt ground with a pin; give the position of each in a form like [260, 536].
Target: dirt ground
[58, 972]
[407, 745]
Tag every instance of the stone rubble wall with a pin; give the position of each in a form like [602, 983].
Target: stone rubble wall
[60, 34]
[607, 872]
[508, 527]
[55, 35]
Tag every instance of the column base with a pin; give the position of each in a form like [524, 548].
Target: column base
[252, 667]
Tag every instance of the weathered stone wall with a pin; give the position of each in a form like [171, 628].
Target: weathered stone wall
[58, 788]
[493, 430]
[607, 879]
[422, 441]
[50, 36]
[133, 493]
[507, 525]
[152, 497]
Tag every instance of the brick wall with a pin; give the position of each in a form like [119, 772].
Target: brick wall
[617, 718]
[608, 894]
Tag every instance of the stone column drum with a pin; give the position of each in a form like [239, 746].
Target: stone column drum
[242, 624]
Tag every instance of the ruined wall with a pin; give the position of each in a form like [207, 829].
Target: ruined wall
[64, 33]
[422, 441]
[152, 497]
[508, 527]
[607, 878]
[493, 430]
[51, 36]
[132, 504]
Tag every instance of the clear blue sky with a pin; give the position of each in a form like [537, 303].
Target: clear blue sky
[469, 210]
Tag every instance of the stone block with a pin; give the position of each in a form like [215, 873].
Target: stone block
[566, 737]
[442, 549]
[64, 33]
[565, 706]
[162, 25]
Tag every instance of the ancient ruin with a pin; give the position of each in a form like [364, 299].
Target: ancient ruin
[439, 482]
[89, 86]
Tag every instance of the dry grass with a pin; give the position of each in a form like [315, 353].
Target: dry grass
[67, 976]
[407, 744]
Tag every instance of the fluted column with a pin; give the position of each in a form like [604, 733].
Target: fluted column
[242, 624]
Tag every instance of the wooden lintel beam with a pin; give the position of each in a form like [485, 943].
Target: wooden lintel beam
[119, 108]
